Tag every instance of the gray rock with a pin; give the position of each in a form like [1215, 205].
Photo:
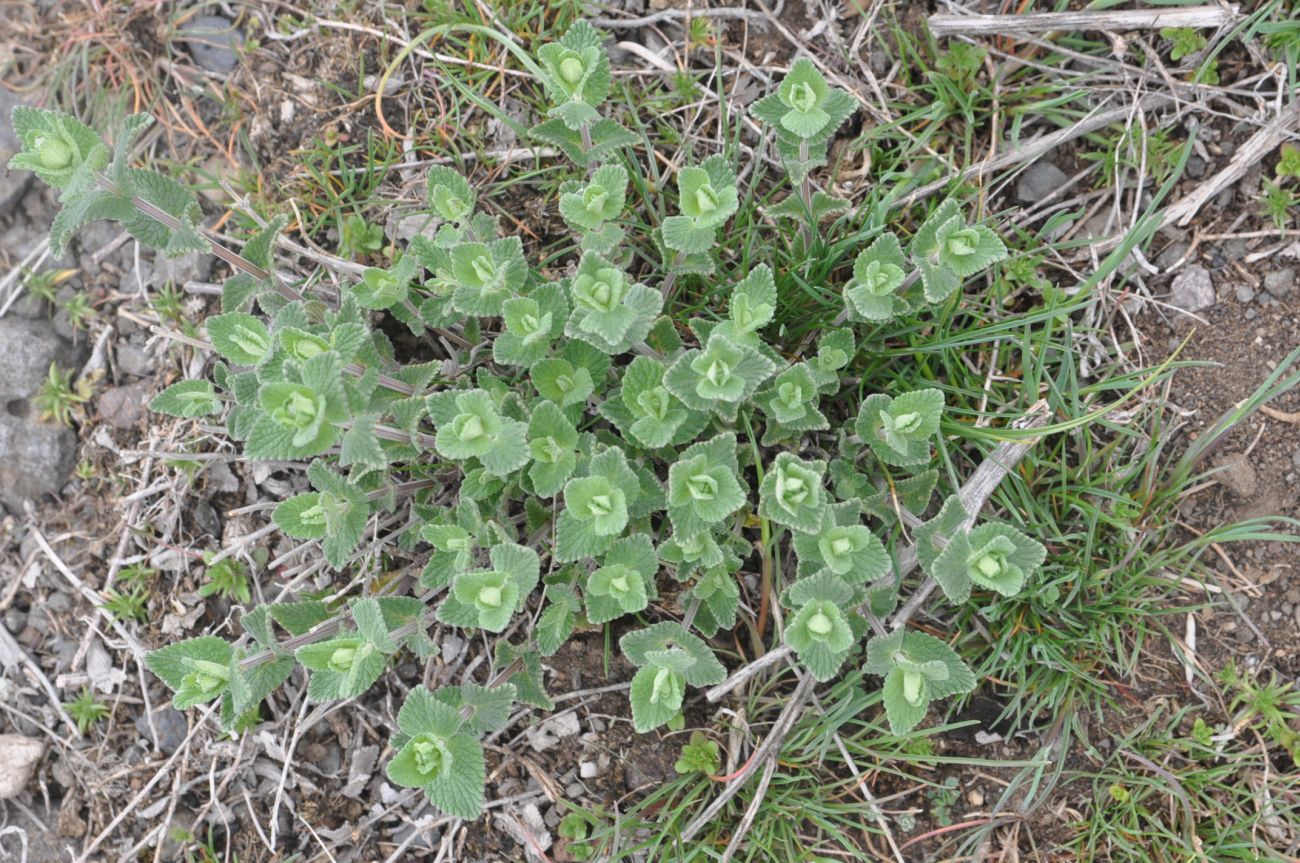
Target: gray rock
[1280, 283]
[1245, 293]
[35, 457]
[1196, 167]
[133, 360]
[13, 184]
[123, 407]
[1038, 181]
[1172, 254]
[15, 620]
[214, 41]
[18, 757]
[1238, 475]
[172, 728]
[1192, 290]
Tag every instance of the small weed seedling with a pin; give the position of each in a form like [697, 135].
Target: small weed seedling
[596, 451]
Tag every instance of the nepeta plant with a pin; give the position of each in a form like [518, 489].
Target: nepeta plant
[594, 451]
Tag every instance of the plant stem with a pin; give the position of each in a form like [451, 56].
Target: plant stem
[671, 276]
[805, 195]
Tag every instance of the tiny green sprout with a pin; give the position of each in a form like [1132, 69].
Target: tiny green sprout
[58, 398]
[229, 579]
[358, 237]
[1184, 41]
[85, 710]
[1288, 163]
[129, 605]
[699, 755]
[205, 682]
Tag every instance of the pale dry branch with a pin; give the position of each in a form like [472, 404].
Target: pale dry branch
[1110, 20]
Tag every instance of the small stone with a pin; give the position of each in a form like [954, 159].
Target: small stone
[574, 790]
[1245, 635]
[551, 731]
[1192, 290]
[975, 797]
[123, 407]
[15, 620]
[1245, 293]
[18, 757]
[588, 769]
[214, 41]
[132, 360]
[1196, 167]
[35, 456]
[1038, 181]
[1295, 459]
[1172, 254]
[172, 729]
[1280, 283]
[1292, 595]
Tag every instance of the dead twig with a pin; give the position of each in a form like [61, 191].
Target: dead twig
[766, 750]
[1115, 20]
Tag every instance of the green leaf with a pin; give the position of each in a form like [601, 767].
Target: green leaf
[656, 697]
[449, 194]
[639, 644]
[301, 516]
[552, 444]
[187, 399]
[369, 618]
[175, 661]
[596, 500]
[917, 668]
[240, 338]
[719, 377]
[299, 617]
[898, 429]
[792, 493]
[995, 556]
[558, 380]
[489, 708]
[703, 486]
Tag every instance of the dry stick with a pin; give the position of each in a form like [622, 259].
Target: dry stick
[767, 749]
[1265, 141]
[974, 494]
[1031, 150]
[1119, 20]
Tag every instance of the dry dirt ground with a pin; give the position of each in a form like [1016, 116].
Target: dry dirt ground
[150, 783]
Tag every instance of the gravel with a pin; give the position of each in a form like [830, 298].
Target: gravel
[1038, 181]
[214, 41]
[1280, 283]
[1192, 290]
[35, 457]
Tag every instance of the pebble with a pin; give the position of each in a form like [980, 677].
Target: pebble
[18, 757]
[1038, 181]
[132, 360]
[172, 729]
[1245, 293]
[1192, 289]
[214, 41]
[35, 457]
[123, 407]
[1196, 167]
[1172, 254]
[15, 620]
[975, 797]
[1280, 283]
[588, 769]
